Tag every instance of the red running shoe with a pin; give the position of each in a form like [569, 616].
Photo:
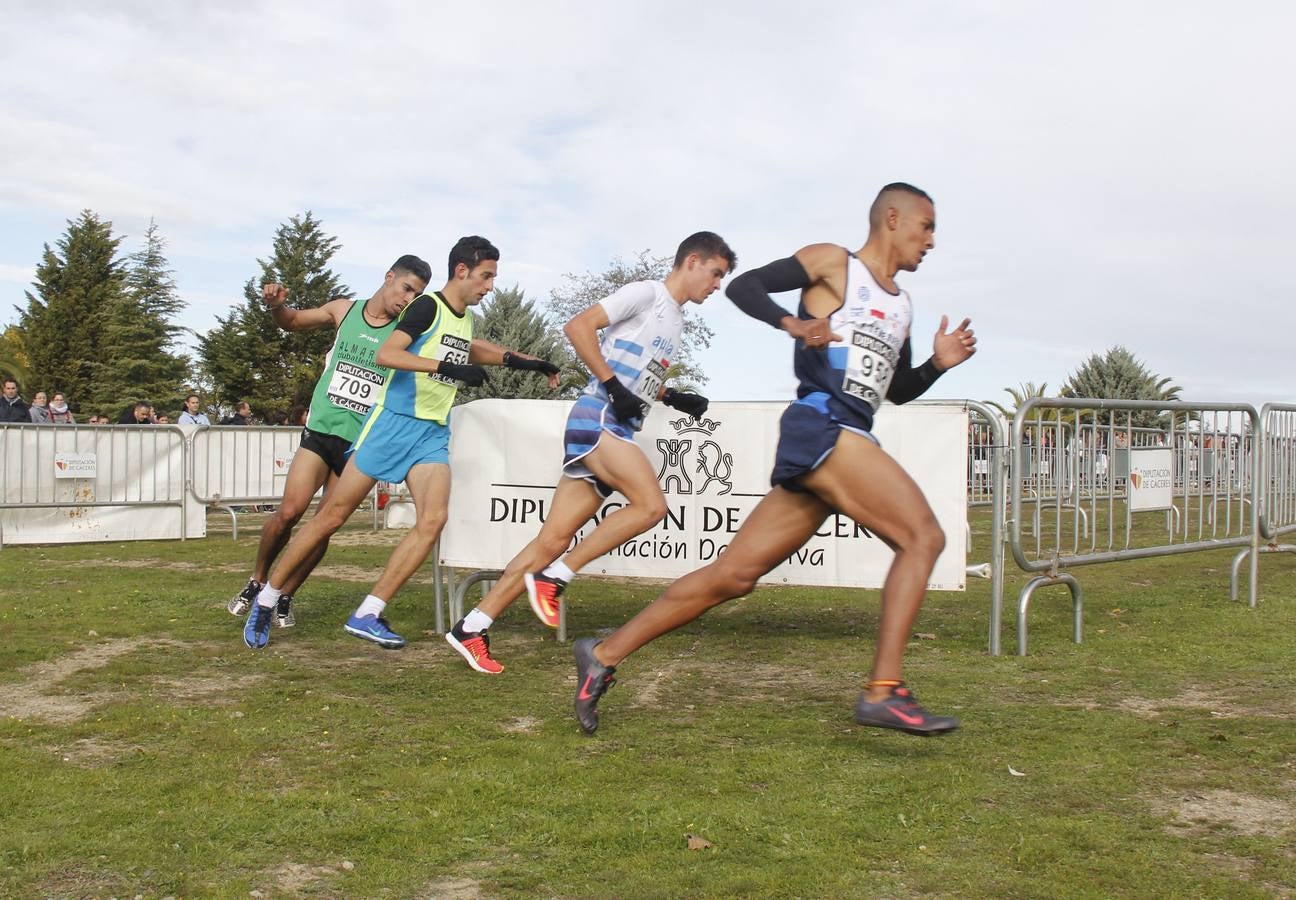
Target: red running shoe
[474, 647]
[543, 592]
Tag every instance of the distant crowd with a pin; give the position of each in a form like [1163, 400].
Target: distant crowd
[51, 408]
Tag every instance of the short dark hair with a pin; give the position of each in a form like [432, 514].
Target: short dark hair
[705, 244]
[9, 380]
[471, 251]
[414, 266]
[195, 396]
[143, 403]
[878, 207]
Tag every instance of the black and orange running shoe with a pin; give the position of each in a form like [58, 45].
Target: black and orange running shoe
[474, 647]
[544, 593]
[592, 680]
[902, 712]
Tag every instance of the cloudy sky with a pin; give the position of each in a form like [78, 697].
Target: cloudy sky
[1103, 173]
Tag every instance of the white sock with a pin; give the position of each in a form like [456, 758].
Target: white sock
[372, 606]
[476, 621]
[559, 570]
[269, 596]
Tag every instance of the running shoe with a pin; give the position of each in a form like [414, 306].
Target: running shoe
[474, 647]
[902, 712]
[244, 599]
[376, 629]
[543, 592]
[256, 631]
[284, 617]
[592, 681]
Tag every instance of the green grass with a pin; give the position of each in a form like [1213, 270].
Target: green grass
[1157, 755]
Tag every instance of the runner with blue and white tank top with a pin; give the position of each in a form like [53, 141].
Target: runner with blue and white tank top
[852, 351]
[642, 324]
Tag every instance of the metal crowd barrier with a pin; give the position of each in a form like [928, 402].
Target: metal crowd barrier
[1277, 490]
[123, 475]
[1088, 446]
[220, 475]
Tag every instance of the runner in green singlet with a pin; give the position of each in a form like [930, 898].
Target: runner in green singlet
[351, 381]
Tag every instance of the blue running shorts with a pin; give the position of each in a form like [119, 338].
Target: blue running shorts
[390, 444]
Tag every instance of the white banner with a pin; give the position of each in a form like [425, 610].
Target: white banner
[1151, 479]
[506, 456]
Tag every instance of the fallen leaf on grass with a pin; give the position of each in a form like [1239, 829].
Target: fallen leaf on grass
[1012, 771]
[693, 842]
[925, 635]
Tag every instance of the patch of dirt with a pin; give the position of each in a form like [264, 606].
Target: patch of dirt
[751, 682]
[522, 725]
[295, 878]
[1219, 704]
[213, 690]
[1198, 814]
[175, 565]
[449, 888]
[386, 537]
[348, 573]
[93, 753]
[31, 699]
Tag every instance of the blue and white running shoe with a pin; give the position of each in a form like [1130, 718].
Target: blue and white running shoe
[376, 629]
[256, 632]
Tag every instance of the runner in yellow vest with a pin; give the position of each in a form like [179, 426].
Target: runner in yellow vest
[406, 437]
[350, 383]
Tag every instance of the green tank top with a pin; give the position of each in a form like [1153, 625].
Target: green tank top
[351, 380]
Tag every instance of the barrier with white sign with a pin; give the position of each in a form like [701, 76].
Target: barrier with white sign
[506, 457]
[72, 483]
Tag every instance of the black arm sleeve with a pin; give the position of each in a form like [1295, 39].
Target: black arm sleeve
[751, 291]
[419, 315]
[910, 383]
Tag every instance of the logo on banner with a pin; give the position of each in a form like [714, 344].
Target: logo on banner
[75, 465]
[713, 466]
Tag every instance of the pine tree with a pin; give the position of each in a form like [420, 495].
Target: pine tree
[1118, 375]
[13, 357]
[247, 356]
[139, 335]
[580, 292]
[77, 284]
[513, 322]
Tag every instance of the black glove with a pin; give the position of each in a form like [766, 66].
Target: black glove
[471, 375]
[513, 361]
[625, 404]
[694, 405]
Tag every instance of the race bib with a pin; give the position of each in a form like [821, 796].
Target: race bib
[354, 387]
[453, 350]
[650, 381]
[870, 363]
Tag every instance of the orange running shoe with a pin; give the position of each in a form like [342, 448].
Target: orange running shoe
[474, 647]
[544, 593]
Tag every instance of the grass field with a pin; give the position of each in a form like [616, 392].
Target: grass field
[145, 751]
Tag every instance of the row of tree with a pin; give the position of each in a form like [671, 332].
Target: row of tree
[102, 328]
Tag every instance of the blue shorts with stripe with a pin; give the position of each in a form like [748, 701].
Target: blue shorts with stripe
[808, 431]
[390, 444]
[590, 416]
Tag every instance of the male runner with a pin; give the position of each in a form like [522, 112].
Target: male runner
[346, 389]
[643, 321]
[852, 332]
[405, 437]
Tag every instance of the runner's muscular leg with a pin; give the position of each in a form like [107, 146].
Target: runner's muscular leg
[574, 501]
[342, 500]
[429, 484]
[861, 481]
[780, 523]
[308, 565]
[622, 465]
[306, 474]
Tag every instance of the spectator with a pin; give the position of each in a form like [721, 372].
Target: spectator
[141, 413]
[39, 411]
[191, 414]
[12, 406]
[58, 410]
[297, 416]
[163, 419]
[242, 415]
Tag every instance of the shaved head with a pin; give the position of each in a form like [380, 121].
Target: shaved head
[897, 195]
